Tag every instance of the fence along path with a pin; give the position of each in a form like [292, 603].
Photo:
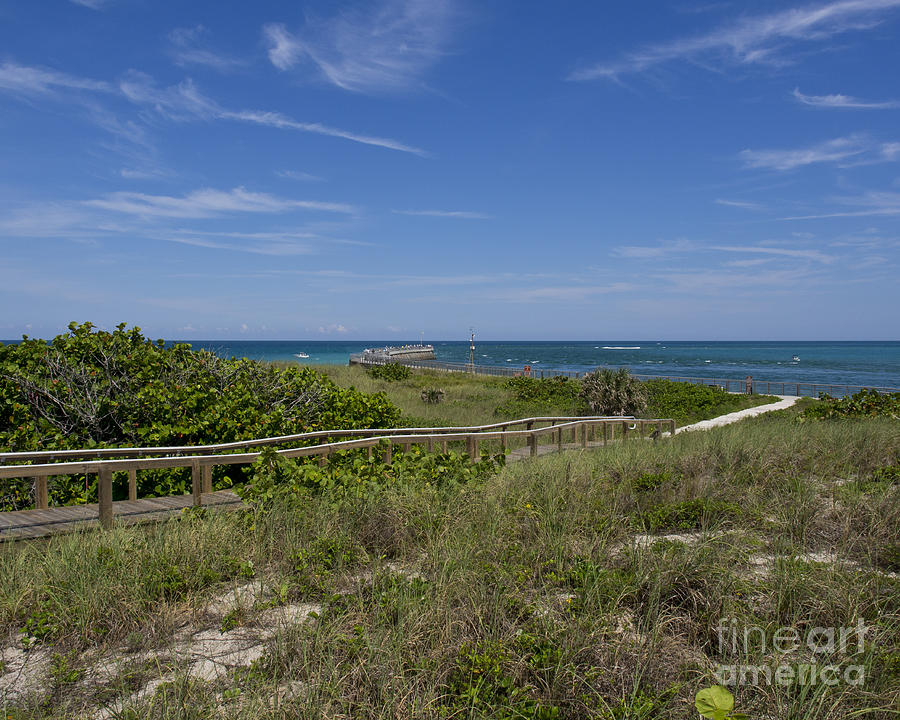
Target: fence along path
[762, 387]
[201, 459]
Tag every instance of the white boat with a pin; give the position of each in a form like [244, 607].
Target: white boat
[301, 355]
[796, 358]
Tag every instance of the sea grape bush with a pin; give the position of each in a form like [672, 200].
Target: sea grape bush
[533, 396]
[276, 479]
[865, 403]
[91, 388]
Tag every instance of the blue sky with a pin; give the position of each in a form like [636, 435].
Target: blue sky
[583, 170]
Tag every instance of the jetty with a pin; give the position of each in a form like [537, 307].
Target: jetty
[393, 354]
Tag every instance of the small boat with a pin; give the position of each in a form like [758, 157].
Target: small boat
[301, 355]
[796, 358]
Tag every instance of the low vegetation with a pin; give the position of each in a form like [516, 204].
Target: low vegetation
[89, 388]
[865, 403]
[480, 399]
[584, 585]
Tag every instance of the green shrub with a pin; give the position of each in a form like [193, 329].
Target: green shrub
[865, 403]
[391, 372]
[533, 396]
[352, 474]
[90, 388]
[613, 392]
[687, 515]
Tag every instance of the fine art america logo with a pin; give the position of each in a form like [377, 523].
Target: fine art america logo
[795, 658]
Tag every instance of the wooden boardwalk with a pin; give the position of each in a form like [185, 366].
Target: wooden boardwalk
[29, 524]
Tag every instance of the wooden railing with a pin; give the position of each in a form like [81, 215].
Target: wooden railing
[203, 458]
[738, 385]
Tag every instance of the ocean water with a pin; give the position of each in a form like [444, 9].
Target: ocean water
[838, 363]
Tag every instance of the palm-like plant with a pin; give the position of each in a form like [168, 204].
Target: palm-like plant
[613, 392]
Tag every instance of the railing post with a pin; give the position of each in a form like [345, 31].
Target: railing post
[41, 497]
[624, 430]
[584, 432]
[532, 443]
[672, 422]
[605, 433]
[429, 444]
[196, 483]
[387, 454]
[104, 497]
[206, 476]
[559, 440]
[503, 440]
[472, 447]
[132, 484]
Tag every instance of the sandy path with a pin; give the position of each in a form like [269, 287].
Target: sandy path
[785, 402]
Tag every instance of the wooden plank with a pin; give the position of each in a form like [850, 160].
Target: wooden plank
[104, 491]
[206, 478]
[41, 496]
[196, 483]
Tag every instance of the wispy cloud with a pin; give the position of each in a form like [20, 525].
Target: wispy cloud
[462, 214]
[183, 102]
[743, 204]
[207, 203]
[24, 79]
[752, 40]
[843, 102]
[298, 175]
[277, 120]
[652, 251]
[829, 151]
[382, 46]
[92, 4]
[186, 47]
[783, 252]
[284, 49]
[872, 203]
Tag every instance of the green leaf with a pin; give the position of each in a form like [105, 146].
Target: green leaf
[714, 702]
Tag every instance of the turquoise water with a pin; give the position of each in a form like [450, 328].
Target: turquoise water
[839, 363]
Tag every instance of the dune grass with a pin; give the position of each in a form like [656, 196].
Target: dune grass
[591, 584]
[480, 399]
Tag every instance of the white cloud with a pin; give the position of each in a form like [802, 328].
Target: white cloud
[180, 103]
[92, 4]
[383, 46]
[752, 40]
[186, 48]
[20, 78]
[277, 120]
[333, 328]
[829, 151]
[298, 175]
[784, 252]
[652, 251]
[284, 49]
[842, 101]
[869, 204]
[206, 203]
[743, 204]
[462, 214]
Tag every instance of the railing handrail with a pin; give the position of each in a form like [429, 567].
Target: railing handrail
[207, 450]
[201, 464]
[181, 461]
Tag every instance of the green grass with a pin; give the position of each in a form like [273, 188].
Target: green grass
[522, 596]
[479, 399]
